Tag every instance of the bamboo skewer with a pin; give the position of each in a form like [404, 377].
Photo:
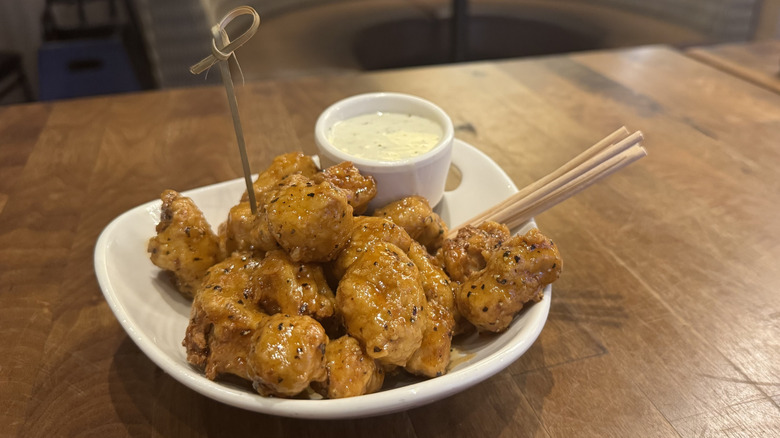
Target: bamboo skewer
[222, 50]
[609, 155]
[621, 133]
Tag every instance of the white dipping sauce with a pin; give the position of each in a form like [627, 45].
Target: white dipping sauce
[385, 136]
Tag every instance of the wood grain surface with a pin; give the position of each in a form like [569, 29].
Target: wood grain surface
[665, 322]
[757, 62]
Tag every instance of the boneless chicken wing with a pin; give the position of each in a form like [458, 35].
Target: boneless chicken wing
[294, 288]
[359, 189]
[382, 303]
[436, 283]
[244, 231]
[185, 243]
[311, 221]
[415, 215]
[228, 332]
[287, 355]
[281, 167]
[365, 231]
[223, 317]
[433, 356]
[351, 372]
[467, 252]
[515, 273]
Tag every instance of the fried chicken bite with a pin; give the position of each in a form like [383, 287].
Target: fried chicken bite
[287, 355]
[359, 189]
[365, 231]
[351, 372]
[244, 231]
[247, 232]
[311, 221]
[185, 243]
[515, 273]
[443, 316]
[437, 285]
[223, 318]
[417, 217]
[381, 301]
[293, 288]
[433, 356]
[468, 250]
[281, 167]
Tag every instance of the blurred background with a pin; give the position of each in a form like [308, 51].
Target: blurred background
[59, 49]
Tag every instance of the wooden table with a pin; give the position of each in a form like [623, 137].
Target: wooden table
[665, 322]
[757, 62]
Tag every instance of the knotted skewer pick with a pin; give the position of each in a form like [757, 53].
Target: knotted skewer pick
[221, 51]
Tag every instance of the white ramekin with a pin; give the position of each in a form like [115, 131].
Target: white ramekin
[423, 175]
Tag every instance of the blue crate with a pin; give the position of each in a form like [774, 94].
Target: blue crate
[86, 67]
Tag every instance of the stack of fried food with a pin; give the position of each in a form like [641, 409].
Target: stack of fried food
[311, 293]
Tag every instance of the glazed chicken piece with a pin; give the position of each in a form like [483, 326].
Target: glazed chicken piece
[223, 318]
[415, 215]
[287, 355]
[515, 273]
[365, 231]
[351, 372]
[437, 285]
[293, 288]
[185, 243]
[281, 167]
[467, 252]
[244, 231]
[381, 301]
[311, 221]
[359, 189]
[247, 232]
[433, 356]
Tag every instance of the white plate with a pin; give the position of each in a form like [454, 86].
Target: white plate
[156, 316]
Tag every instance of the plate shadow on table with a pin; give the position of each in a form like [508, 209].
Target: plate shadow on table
[145, 397]
[482, 410]
[541, 378]
[590, 307]
[149, 401]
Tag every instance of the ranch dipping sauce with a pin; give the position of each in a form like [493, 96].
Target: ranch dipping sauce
[385, 136]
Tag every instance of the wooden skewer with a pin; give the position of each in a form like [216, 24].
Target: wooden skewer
[588, 171]
[609, 155]
[597, 148]
[222, 49]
